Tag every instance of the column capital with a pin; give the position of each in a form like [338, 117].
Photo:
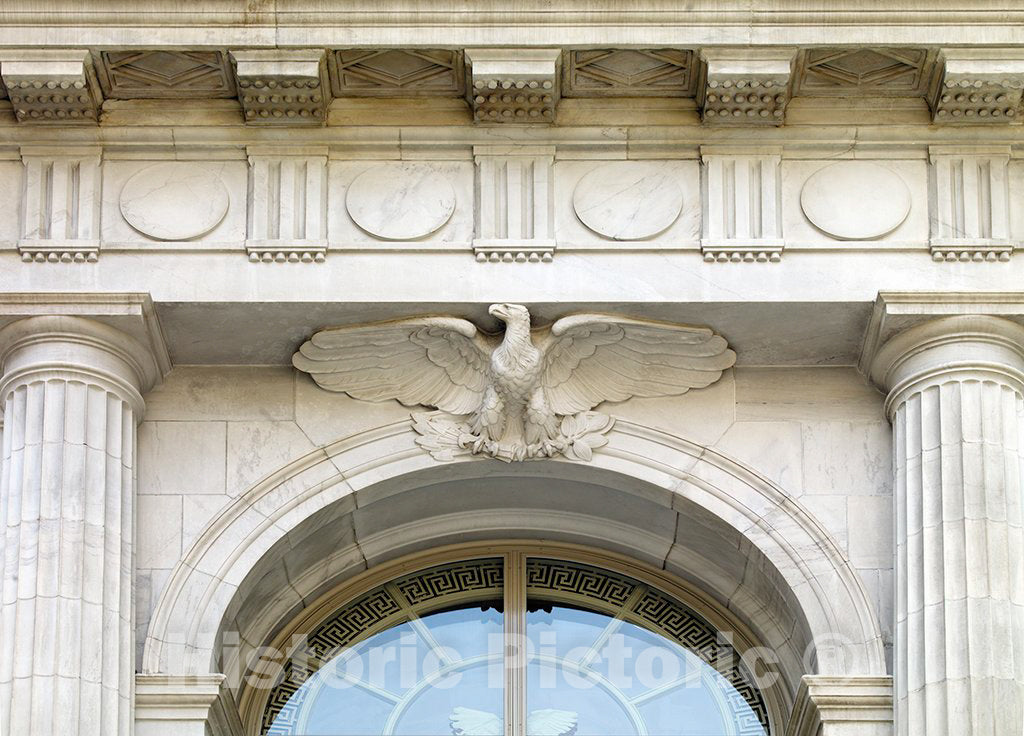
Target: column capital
[914, 335]
[111, 340]
[966, 346]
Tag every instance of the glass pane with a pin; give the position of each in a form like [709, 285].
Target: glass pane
[611, 657]
[409, 658]
[410, 679]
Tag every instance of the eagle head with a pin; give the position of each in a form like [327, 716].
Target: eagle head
[510, 313]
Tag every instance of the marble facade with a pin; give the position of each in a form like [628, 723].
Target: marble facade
[185, 202]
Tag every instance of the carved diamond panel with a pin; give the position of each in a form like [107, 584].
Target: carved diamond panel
[630, 73]
[165, 74]
[863, 71]
[397, 73]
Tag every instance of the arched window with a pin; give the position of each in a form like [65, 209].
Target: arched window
[513, 645]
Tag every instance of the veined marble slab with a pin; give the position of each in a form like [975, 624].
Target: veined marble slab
[174, 201]
[400, 201]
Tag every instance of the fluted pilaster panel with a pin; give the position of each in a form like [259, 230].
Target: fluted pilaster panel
[66, 505]
[957, 408]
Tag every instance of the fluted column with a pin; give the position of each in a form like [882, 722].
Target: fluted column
[72, 396]
[956, 401]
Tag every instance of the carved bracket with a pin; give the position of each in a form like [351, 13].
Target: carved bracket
[283, 86]
[742, 193]
[515, 220]
[288, 208]
[979, 86]
[746, 86]
[55, 87]
[61, 212]
[514, 85]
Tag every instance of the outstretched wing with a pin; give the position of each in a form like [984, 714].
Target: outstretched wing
[551, 722]
[434, 361]
[591, 358]
[469, 722]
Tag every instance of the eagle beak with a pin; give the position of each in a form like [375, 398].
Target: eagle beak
[497, 310]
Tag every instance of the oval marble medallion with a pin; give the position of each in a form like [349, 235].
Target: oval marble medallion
[627, 200]
[400, 201]
[174, 201]
[855, 200]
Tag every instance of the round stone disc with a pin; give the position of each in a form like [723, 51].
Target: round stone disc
[855, 200]
[174, 201]
[628, 200]
[400, 201]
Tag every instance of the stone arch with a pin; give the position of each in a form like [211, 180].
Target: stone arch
[661, 499]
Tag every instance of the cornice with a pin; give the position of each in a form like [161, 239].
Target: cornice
[286, 21]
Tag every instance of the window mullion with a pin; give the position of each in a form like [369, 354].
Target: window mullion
[515, 644]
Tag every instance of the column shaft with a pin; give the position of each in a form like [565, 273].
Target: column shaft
[960, 589]
[66, 506]
[957, 406]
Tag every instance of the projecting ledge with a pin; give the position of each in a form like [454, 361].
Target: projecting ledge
[842, 706]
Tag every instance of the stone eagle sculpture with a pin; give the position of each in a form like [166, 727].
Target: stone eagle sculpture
[525, 395]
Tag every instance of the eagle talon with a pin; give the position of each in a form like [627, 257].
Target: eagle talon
[552, 448]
